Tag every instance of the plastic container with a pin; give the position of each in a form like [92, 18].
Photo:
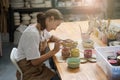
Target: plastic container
[113, 72]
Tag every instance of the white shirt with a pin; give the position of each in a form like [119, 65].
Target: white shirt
[29, 43]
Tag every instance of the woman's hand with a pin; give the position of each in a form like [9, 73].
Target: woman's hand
[54, 39]
[68, 40]
[57, 46]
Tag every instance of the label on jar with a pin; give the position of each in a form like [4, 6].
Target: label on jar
[88, 53]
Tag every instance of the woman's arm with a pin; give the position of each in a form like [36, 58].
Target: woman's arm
[46, 56]
[54, 39]
[43, 58]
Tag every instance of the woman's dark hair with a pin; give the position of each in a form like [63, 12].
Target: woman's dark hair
[41, 19]
[51, 12]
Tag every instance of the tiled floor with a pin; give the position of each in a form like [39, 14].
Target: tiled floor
[7, 69]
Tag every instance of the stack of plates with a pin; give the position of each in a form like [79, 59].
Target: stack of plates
[48, 3]
[32, 21]
[37, 3]
[33, 17]
[26, 19]
[17, 3]
[34, 14]
[17, 18]
[114, 43]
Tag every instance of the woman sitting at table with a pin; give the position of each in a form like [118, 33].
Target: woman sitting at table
[31, 49]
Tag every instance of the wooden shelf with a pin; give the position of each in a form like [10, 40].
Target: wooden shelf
[79, 10]
[26, 10]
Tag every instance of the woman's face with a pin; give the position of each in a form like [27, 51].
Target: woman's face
[52, 24]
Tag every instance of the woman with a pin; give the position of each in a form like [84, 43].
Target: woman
[31, 49]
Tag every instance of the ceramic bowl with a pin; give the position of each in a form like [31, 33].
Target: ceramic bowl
[88, 43]
[26, 18]
[16, 14]
[33, 21]
[33, 15]
[17, 18]
[37, 5]
[37, 1]
[17, 21]
[17, 5]
[73, 62]
[16, 1]
[26, 22]
[24, 15]
[114, 43]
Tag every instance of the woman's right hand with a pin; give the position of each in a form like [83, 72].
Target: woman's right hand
[57, 46]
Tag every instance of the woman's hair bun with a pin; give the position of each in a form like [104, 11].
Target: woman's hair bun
[40, 16]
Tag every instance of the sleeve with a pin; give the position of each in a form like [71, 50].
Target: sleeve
[31, 46]
[47, 34]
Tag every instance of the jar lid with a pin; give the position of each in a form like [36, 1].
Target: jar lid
[111, 57]
[83, 60]
[93, 60]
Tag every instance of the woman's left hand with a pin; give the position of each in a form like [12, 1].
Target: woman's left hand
[57, 46]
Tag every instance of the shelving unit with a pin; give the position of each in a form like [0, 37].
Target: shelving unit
[116, 10]
[66, 10]
[20, 10]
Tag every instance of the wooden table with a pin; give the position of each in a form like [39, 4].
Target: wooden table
[87, 71]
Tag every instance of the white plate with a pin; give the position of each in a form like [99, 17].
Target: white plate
[114, 43]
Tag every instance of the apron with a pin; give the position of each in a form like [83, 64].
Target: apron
[30, 72]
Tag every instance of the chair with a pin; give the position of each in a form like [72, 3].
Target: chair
[12, 57]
